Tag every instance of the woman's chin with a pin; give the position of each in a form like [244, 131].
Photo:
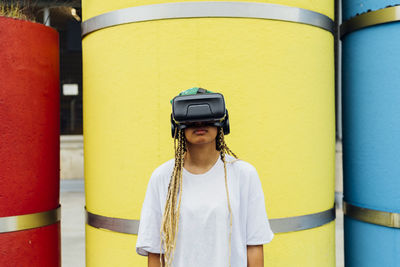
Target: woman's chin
[200, 140]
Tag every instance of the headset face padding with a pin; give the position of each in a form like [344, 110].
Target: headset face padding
[224, 124]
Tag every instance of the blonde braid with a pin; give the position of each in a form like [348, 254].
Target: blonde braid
[223, 148]
[170, 219]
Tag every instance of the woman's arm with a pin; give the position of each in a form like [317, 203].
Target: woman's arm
[255, 256]
[154, 260]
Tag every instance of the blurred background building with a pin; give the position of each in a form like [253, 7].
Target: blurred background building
[65, 17]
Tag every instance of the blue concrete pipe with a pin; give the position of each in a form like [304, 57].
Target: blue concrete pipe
[371, 135]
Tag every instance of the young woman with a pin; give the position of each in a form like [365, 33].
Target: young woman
[205, 208]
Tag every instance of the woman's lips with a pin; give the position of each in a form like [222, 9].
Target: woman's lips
[200, 130]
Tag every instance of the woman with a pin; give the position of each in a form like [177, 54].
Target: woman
[219, 217]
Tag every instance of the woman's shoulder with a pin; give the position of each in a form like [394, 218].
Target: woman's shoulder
[245, 172]
[239, 164]
[164, 170]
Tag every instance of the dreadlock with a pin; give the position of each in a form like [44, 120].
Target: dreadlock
[224, 149]
[170, 219]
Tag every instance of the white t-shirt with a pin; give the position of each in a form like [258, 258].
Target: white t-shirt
[203, 230]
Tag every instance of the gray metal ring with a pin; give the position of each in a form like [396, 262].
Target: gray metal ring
[282, 225]
[381, 16]
[29, 221]
[125, 226]
[207, 9]
[304, 222]
[384, 218]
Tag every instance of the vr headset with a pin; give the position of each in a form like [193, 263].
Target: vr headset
[208, 108]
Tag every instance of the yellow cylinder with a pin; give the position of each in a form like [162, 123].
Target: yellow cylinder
[278, 80]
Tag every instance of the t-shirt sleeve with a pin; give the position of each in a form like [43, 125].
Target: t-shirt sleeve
[150, 220]
[257, 227]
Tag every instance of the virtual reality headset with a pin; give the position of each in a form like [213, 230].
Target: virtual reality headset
[208, 108]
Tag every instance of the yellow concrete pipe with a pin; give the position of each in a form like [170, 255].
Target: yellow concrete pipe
[278, 80]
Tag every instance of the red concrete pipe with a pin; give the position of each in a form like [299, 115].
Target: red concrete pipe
[29, 136]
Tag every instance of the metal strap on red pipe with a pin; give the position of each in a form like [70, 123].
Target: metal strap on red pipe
[29, 221]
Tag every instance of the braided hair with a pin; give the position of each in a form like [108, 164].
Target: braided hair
[170, 219]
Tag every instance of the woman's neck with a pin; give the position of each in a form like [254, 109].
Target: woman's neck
[200, 158]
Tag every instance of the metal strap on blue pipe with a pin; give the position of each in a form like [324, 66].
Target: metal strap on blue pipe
[372, 18]
[281, 225]
[388, 219]
[215, 9]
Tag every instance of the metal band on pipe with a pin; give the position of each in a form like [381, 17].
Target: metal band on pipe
[304, 222]
[283, 225]
[125, 226]
[389, 219]
[381, 16]
[29, 221]
[207, 10]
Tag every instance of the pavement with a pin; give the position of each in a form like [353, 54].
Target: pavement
[72, 200]
[72, 229]
[339, 238]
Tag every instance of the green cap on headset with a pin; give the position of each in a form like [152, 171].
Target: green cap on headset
[193, 91]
